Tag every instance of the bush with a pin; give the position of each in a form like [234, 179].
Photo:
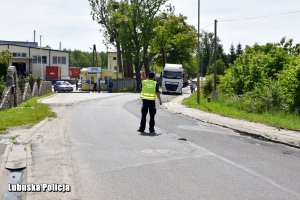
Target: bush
[255, 67]
[3, 69]
[289, 80]
[264, 98]
[38, 81]
[208, 86]
[4, 56]
[21, 83]
[31, 79]
[2, 85]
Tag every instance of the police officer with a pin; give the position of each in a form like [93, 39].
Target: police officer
[148, 95]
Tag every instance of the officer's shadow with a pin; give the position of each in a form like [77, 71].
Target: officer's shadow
[152, 134]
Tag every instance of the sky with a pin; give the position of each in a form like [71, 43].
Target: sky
[70, 22]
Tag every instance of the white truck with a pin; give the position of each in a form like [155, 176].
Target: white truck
[173, 78]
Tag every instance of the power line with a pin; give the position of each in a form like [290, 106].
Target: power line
[259, 17]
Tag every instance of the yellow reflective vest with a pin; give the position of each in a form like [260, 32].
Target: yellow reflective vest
[148, 90]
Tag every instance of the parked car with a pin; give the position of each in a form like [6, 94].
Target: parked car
[62, 86]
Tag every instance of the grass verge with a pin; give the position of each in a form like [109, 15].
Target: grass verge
[27, 113]
[230, 108]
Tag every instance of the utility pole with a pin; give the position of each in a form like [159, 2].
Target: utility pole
[41, 59]
[93, 56]
[95, 53]
[215, 60]
[199, 57]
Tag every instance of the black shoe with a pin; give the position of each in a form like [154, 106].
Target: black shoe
[152, 131]
[141, 131]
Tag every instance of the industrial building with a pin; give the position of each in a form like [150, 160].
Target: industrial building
[30, 58]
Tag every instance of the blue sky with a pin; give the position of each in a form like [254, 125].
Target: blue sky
[70, 22]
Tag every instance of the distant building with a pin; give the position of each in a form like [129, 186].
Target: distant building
[112, 61]
[28, 58]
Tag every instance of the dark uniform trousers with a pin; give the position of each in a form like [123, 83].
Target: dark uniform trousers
[148, 105]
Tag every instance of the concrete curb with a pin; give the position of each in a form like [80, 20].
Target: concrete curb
[39, 100]
[17, 157]
[256, 130]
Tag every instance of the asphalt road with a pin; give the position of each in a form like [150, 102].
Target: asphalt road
[114, 161]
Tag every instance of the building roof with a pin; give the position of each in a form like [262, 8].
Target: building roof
[27, 45]
[20, 43]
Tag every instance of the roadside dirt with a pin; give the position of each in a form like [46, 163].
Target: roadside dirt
[50, 156]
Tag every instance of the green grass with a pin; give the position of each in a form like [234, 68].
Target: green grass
[27, 113]
[232, 109]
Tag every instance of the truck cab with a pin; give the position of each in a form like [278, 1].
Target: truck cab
[172, 79]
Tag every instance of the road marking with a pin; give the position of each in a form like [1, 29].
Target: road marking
[268, 180]
[148, 163]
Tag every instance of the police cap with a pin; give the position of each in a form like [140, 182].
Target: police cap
[151, 75]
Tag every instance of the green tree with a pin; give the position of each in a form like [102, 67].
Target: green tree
[208, 86]
[207, 46]
[81, 59]
[256, 66]
[287, 45]
[239, 49]
[103, 12]
[175, 41]
[207, 52]
[289, 80]
[221, 66]
[4, 57]
[129, 23]
[232, 54]
[103, 60]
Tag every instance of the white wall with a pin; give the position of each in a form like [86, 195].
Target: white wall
[38, 68]
[112, 64]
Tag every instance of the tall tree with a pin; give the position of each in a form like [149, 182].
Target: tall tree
[207, 51]
[207, 46]
[175, 40]
[287, 45]
[103, 13]
[129, 23]
[143, 22]
[239, 49]
[232, 54]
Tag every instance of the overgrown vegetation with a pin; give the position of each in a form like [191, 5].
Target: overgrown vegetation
[262, 85]
[4, 56]
[232, 107]
[265, 78]
[2, 85]
[27, 113]
[208, 86]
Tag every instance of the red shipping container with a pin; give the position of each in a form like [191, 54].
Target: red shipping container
[75, 73]
[53, 72]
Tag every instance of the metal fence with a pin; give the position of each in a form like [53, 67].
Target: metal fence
[123, 84]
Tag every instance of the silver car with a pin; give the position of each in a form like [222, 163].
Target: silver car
[62, 86]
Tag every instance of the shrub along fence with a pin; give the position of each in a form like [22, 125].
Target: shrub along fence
[15, 93]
